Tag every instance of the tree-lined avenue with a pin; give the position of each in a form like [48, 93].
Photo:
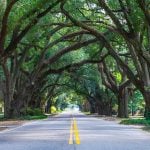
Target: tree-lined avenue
[54, 133]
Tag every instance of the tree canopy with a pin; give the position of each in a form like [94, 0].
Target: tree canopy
[96, 51]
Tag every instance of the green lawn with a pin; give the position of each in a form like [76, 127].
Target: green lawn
[140, 121]
[26, 117]
[33, 117]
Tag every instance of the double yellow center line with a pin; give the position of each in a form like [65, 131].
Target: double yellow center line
[74, 133]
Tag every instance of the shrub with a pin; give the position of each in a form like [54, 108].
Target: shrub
[31, 112]
[136, 122]
[37, 112]
[53, 109]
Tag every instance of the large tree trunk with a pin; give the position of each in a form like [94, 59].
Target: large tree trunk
[14, 107]
[8, 93]
[48, 106]
[123, 103]
[146, 96]
[92, 109]
[104, 108]
[15, 102]
[92, 104]
[86, 106]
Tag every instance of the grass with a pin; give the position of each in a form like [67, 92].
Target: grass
[140, 121]
[38, 117]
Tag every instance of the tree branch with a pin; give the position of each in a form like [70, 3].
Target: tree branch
[101, 37]
[142, 5]
[5, 24]
[68, 49]
[74, 66]
[13, 44]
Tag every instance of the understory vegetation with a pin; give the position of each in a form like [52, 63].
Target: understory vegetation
[145, 123]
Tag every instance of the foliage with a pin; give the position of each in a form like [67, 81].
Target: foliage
[53, 109]
[136, 122]
[35, 117]
[32, 112]
[63, 52]
[136, 103]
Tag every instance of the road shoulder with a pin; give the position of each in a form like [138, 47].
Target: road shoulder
[9, 124]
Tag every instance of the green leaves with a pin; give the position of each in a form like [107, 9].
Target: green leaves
[3, 4]
[118, 76]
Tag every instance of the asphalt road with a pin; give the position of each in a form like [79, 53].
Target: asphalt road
[93, 134]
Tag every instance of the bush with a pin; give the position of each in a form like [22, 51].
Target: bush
[31, 112]
[136, 122]
[53, 109]
[37, 112]
[33, 117]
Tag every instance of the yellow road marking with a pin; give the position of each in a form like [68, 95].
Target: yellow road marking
[74, 132]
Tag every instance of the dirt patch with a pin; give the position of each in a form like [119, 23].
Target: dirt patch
[2, 128]
[10, 124]
[110, 118]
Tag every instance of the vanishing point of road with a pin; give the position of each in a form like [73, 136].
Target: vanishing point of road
[74, 131]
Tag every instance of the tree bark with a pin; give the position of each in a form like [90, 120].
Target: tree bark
[146, 96]
[123, 103]
[7, 92]
[48, 106]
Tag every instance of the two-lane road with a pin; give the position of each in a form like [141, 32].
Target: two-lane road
[74, 131]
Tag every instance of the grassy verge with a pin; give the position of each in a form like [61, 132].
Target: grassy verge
[25, 118]
[145, 123]
[33, 117]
